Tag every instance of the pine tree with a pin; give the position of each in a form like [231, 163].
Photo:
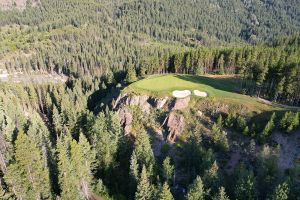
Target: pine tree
[131, 74]
[269, 127]
[105, 135]
[221, 195]
[67, 177]
[168, 170]
[165, 193]
[57, 121]
[281, 192]
[230, 120]
[211, 177]
[101, 190]
[144, 151]
[196, 190]
[294, 123]
[220, 122]
[144, 189]
[83, 159]
[28, 175]
[221, 64]
[133, 173]
[241, 123]
[245, 186]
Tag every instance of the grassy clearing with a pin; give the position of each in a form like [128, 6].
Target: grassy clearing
[220, 88]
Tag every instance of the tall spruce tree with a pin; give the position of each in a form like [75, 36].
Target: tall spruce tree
[165, 193]
[28, 175]
[168, 170]
[281, 192]
[221, 195]
[196, 190]
[144, 189]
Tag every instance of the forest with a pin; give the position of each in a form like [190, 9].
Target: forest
[65, 139]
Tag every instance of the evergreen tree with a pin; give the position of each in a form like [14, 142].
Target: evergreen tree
[245, 186]
[269, 127]
[143, 151]
[165, 193]
[131, 74]
[144, 189]
[220, 121]
[168, 170]
[221, 195]
[82, 159]
[230, 120]
[196, 190]
[221, 64]
[67, 177]
[133, 173]
[28, 175]
[281, 192]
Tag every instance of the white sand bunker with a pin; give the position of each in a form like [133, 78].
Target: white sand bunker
[200, 94]
[181, 93]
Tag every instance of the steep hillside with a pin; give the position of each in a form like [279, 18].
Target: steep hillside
[18, 4]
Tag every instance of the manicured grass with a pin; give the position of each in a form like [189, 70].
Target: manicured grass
[218, 87]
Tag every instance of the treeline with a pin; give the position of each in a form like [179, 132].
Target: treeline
[94, 37]
[189, 22]
[268, 72]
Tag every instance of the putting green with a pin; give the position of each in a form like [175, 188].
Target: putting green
[218, 87]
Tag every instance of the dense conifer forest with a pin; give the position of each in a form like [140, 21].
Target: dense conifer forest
[67, 139]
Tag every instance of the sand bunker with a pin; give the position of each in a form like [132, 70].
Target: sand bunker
[200, 94]
[181, 93]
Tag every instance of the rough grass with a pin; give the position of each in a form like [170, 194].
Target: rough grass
[220, 88]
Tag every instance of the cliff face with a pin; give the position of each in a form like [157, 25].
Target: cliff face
[18, 4]
[174, 122]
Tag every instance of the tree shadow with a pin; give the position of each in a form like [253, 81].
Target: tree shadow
[226, 84]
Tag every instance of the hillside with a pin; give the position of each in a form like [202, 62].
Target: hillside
[18, 4]
[95, 35]
[149, 99]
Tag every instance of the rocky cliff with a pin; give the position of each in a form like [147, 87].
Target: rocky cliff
[174, 121]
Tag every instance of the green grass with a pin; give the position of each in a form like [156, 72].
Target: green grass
[218, 87]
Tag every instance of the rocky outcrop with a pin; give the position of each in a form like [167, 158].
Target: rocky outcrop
[179, 104]
[174, 121]
[175, 126]
[130, 100]
[159, 103]
[126, 119]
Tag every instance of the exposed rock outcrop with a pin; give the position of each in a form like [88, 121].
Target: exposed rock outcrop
[126, 119]
[175, 125]
[179, 104]
[131, 100]
[174, 121]
[161, 102]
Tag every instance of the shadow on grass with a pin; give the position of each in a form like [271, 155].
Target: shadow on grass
[226, 84]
